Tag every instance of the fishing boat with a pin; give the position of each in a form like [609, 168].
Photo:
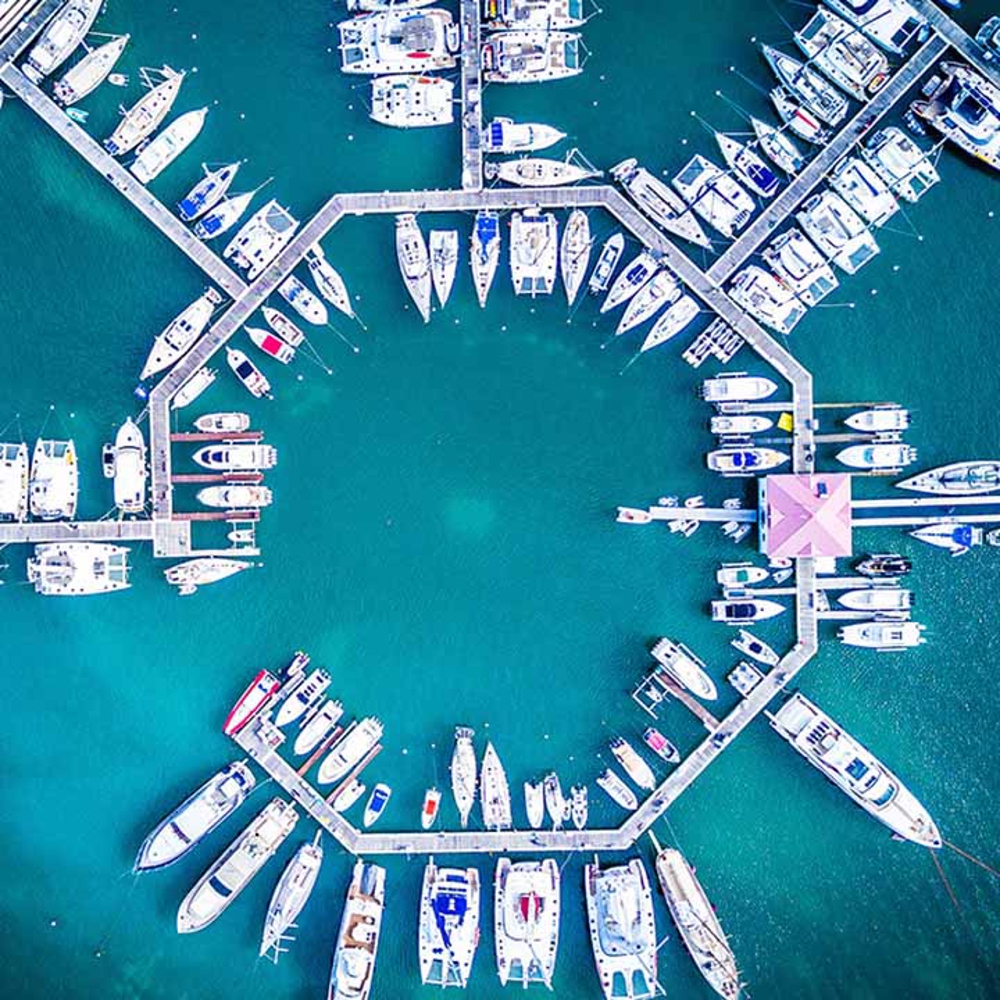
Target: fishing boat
[180, 334]
[253, 379]
[957, 479]
[574, 253]
[632, 764]
[742, 574]
[803, 82]
[526, 920]
[622, 929]
[306, 695]
[78, 569]
[430, 808]
[877, 599]
[484, 253]
[235, 497]
[531, 56]
[359, 935]
[54, 483]
[444, 262]
[283, 326]
[736, 387]
[181, 830]
[675, 318]
[504, 135]
[862, 188]
[696, 922]
[60, 38]
[607, 264]
[660, 745]
[194, 387]
[888, 635]
[747, 643]
[222, 423]
[767, 299]
[800, 267]
[267, 232]
[723, 203]
[191, 574]
[843, 54]
[745, 461]
[578, 807]
[398, 40]
[892, 24]
[778, 148]
[208, 192]
[290, 896]
[317, 726]
[534, 252]
[685, 667]
[231, 873]
[257, 695]
[271, 344]
[376, 804]
[617, 790]
[402, 100]
[901, 163]
[555, 801]
[854, 769]
[448, 932]
[799, 118]
[655, 199]
[90, 72]
[494, 792]
[632, 277]
[737, 612]
[838, 231]
[955, 538]
[225, 214]
[350, 750]
[739, 424]
[414, 262]
[877, 456]
[237, 456]
[146, 115]
[13, 481]
[464, 773]
[884, 564]
[168, 145]
[130, 469]
[307, 305]
[328, 280]
[742, 160]
[538, 171]
[348, 795]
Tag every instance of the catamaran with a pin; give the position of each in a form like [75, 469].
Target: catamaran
[60, 38]
[303, 301]
[317, 726]
[843, 54]
[191, 574]
[235, 497]
[130, 468]
[526, 920]
[146, 115]
[860, 186]
[531, 56]
[90, 72]
[328, 280]
[838, 231]
[495, 793]
[253, 379]
[663, 206]
[405, 101]
[800, 267]
[767, 298]
[723, 203]
[685, 667]
[449, 925]
[607, 264]
[778, 147]
[537, 14]
[414, 262]
[13, 481]
[901, 163]
[821, 96]
[484, 253]
[534, 252]
[444, 262]
[398, 41]
[892, 24]
[350, 750]
[463, 773]
[617, 790]
[54, 484]
[504, 135]
[742, 160]
[574, 253]
[168, 145]
[290, 895]
[957, 479]
[180, 334]
[208, 192]
[78, 569]
[261, 239]
[359, 935]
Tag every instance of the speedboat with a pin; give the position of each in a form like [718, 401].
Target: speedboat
[376, 804]
[504, 135]
[622, 929]
[538, 171]
[208, 192]
[303, 301]
[862, 188]
[574, 252]
[877, 599]
[348, 795]
[329, 282]
[738, 612]
[317, 727]
[484, 252]
[663, 206]
[225, 214]
[662, 289]
[231, 873]
[54, 484]
[448, 932]
[414, 262]
[555, 801]
[877, 456]
[307, 694]
[444, 262]
[821, 96]
[885, 564]
[194, 387]
[578, 806]
[617, 790]
[267, 232]
[191, 574]
[130, 468]
[60, 38]
[745, 461]
[715, 196]
[90, 72]
[254, 699]
[291, 894]
[253, 379]
[954, 537]
[180, 334]
[742, 160]
[632, 764]
[78, 569]
[146, 115]
[965, 108]
[359, 935]
[494, 793]
[901, 163]
[168, 145]
[675, 318]
[778, 147]
[736, 386]
[196, 817]
[531, 56]
[289, 332]
[854, 769]
[885, 636]
[800, 267]
[957, 479]
[685, 667]
[541, 14]
[607, 264]
[741, 574]
[398, 41]
[430, 809]
[798, 117]
[13, 481]
[350, 750]
[534, 252]
[235, 496]
[843, 54]
[534, 803]
[892, 24]
[767, 298]
[660, 745]
[237, 456]
[464, 773]
[740, 424]
[271, 344]
[632, 277]
[838, 231]
[747, 643]
[526, 920]
[406, 101]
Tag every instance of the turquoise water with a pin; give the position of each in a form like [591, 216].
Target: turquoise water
[443, 541]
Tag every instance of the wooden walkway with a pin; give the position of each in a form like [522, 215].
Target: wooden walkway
[720, 515]
[108, 530]
[957, 38]
[472, 96]
[17, 35]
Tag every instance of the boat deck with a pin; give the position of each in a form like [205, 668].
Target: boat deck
[472, 96]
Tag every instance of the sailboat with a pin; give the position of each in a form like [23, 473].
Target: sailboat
[207, 193]
[444, 262]
[414, 262]
[145, 117]
[744, 161]
[90, 72]
[180, 334]
[484, 252]
[495, 797]
[226, 214]
[328, 280]
[574, 253]
[632, 277]
[290, 895]
[463, 773]
[607, 263]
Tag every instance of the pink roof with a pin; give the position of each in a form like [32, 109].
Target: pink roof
[806, 516]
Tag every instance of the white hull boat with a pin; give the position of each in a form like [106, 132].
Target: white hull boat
[660, 291]
[526, 921]
[877, 599]
[531, 56]
[307, 305]
[862, 188]
[778, 147]
[632, 277]
[838, 231]
[350, 750]
[267, 232]
[360, 932]
[146, 116]
[663, 206]
[538, 171]
[901, 163]
[821, 96]
[464, 769]
[632, 764]
[236, 497]
[607, 264]
[617, 790]
[534, 803]
[90, 72]
[715, 196]
[484, 252]
[448, 932]
[78, 569]
[291, 895]
[237, 456]
[13, 481]
[402, 100]
[504, 135]
[271, 344]
[307, 695]
[208, 192]
[283, 326]
[675, 318]
[248, 373]
[877, 457]
[191, 574]
[800, 267]
[737, 387]
[54, 483]
[329, 282]
[767, 299]
[60, 38]
[534, 252]
[957, 479]
[222, 423]
[685, 667]
[317, 727]
[574, 253]
[194, 387]
[879, 419]
[742, 160]
[414, 262]
[168, 145]
[885, 636]
[179, 335]
[494, 793]
[843, 54]
[954, 537]
[739, 612]
[799, 118]
[444, 262]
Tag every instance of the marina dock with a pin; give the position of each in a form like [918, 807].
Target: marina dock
[30, 23]
[957, 38]
[472, 95]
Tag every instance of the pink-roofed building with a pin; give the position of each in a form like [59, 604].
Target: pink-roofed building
[805, 516]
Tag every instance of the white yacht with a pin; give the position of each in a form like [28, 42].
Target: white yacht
[957, 479]
[54, 484]
[504, 135]
[578, 807]
[271, 344]
[662, 205]
[77, 569]
[484, 252]
[130, 468]
[855, 770]
[406, 101]
[675, 318]
[741, 574]
[743, 161]
[262, 238]
[303, 301]
[574, 252]
[555, 801]
[329, 282]
[843, 54]
[191, 574]
[880, 418]
[630, 279]
[901, 163]
[877, 599]
[778, 147]
[350, 750]
[289, 332]
[90, 72]
[685, 667]
[662, 289]
[359, 935]
[715, 196]
[398, 41]
[60, 38]
[444, 262]
[736, 387]
[194, 387]
[821, 96]
[208, 192]
[253, 379]
[877, 456]
[892, 24]
[531, 56]
[13, 481]
[538, 171]
[168, 145]
[607, 264]
[306, 696]
[798, 117]
[739, 612]
[862, 188]
[534, 803]
[622, 929]
[838, 231]
[633, 764]
[740, 423]
[180, 334]
[534, 252]
[539, 14]
[767, 298]
[526, 920]
[448, 933]
[290, 895]
[746, 461]
[886, 636]
[494, 792]
[952, 536]
[414, 262]
[317, 726]
[223, 216]
[801, 267]
[146, 115]
[464, 773]
[617, 790]
[236, 497]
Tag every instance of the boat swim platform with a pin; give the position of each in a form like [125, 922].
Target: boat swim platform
[472, 95]
[16, 38]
